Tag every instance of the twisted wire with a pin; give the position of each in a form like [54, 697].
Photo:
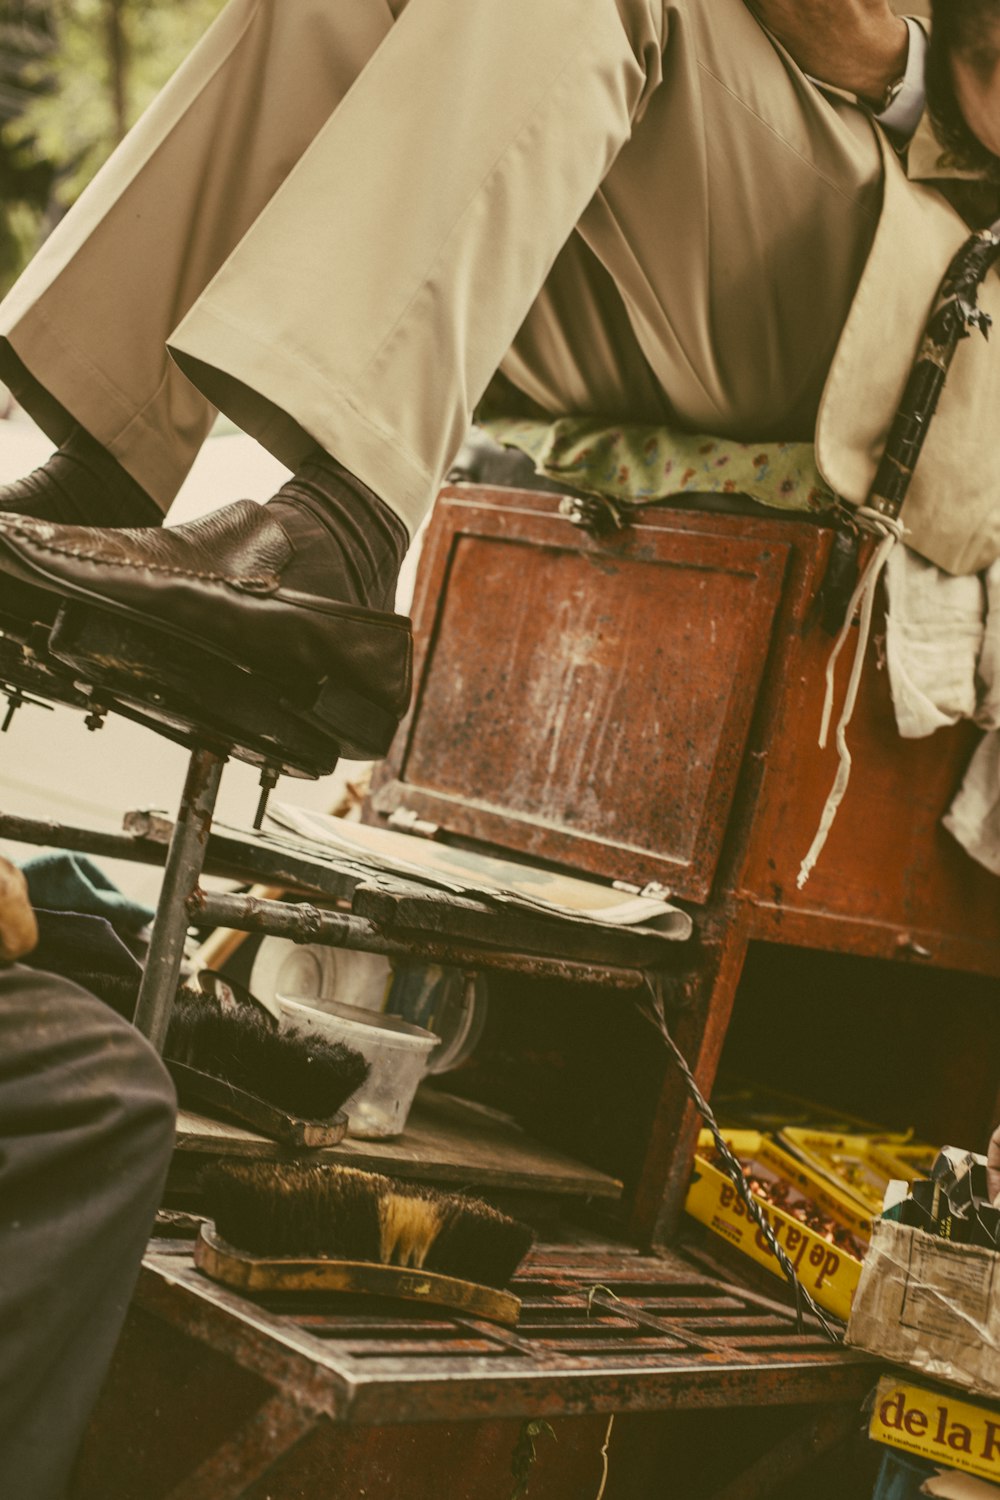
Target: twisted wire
[733, 1170]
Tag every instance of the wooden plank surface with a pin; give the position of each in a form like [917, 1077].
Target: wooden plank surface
[891, 881]
[423, 913]
[446, 1140]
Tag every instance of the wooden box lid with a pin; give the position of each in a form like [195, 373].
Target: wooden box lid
[583, 701]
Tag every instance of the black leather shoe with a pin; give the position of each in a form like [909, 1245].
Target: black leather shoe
[221, 584]
[80, 482]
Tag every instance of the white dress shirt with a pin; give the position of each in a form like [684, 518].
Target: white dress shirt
[903, 115]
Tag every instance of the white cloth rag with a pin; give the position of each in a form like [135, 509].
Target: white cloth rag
[943, 655]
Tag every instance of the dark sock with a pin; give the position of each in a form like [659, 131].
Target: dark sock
[81, 485]
[348, 544]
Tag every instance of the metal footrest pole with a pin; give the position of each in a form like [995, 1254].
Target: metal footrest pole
[185, 858]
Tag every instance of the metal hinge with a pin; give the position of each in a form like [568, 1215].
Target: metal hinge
[598, 515]
[653, 890]
[404, 820]
[149, 823]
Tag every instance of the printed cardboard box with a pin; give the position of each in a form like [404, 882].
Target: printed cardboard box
[931, 1304]
[829, 1273]
[860, 1165]
[937, 1425]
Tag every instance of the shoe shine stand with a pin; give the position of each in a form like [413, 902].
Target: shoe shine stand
[106, 663]
[698, 769]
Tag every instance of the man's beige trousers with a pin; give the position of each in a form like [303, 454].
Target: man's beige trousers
[342, 216]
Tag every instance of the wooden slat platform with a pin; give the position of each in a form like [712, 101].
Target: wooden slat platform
[601, 1330]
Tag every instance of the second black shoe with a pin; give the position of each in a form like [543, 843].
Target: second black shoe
[80, 484]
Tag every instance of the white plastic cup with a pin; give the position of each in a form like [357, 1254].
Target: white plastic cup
[397, 1051]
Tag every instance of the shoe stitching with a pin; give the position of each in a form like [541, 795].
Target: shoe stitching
[269, 580]
[397, 623]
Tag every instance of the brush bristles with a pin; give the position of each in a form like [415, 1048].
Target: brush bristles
[340, 1213]
[410, 1222]
[296, 1210]
[474, 1234]
[295, 1071]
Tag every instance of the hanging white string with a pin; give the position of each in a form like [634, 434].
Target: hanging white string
[604, 1457]
[611, 1420]
[889, 531]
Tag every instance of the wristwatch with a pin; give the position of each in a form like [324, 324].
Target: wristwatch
[888, 96]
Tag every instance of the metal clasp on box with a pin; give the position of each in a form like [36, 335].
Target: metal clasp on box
[405, 820]
[595, 514]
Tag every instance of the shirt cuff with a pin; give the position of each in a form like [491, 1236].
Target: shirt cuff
[903, 115]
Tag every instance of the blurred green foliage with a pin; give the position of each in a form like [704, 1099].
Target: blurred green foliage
[27, 45]
[74, 75]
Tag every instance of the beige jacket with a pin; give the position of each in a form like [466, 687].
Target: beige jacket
[952, 511]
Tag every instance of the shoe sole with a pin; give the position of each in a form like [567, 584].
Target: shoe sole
[190, 696]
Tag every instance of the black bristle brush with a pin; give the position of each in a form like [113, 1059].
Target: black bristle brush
[276, 1080]
[328, 1219]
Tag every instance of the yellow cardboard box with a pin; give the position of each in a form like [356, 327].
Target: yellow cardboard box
[828, 1273]
[907, 1161]
[860, 1165]
[948, 1430]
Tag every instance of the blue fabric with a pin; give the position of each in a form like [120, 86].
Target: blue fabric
[60, 881]
[89, 951]
[901, 1477]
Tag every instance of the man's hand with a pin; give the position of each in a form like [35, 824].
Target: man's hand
[18, 928]
[856, 45]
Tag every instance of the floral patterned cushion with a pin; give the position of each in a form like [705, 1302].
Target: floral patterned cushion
[639, 464]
